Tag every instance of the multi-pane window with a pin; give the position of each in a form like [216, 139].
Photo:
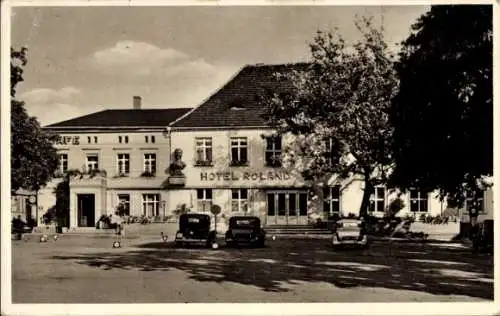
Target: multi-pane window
[330, 154]
[377, 200]
[63, 162]
[273, 151]
[239, 151]
[331, 200]
[203, 200]
[92, 162]
[123, 164]
[150, 163]
[151, 205]
[239, 200]
[124, 202]
[478, 201]
[418, 201]
[203, 150]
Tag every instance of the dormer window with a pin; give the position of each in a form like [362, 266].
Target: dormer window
[237, 108]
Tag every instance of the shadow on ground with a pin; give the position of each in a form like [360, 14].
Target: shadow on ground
[425, 268]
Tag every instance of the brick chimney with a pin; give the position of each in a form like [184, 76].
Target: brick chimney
[137, 102]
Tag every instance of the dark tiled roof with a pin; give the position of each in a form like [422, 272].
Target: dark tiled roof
[124, 118]
[241, 92]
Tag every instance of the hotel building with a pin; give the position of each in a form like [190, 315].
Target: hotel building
[231, 158]
[229, 152]
[120, 157]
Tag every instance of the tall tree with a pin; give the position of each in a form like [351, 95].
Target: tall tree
[337, 109]
[33, 156]
[443, 112]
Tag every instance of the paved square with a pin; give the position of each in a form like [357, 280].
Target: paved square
[85, 269]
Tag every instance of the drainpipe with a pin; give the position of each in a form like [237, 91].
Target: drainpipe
[168, 135]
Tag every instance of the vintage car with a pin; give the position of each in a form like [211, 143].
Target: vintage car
[194, 229]
[20, 227]
[245, 230]
[349, 232]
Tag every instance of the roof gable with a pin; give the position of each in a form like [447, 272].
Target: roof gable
[236, 104]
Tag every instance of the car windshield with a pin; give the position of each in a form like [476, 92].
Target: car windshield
[245, 222]
[194, 221]
[350, 224]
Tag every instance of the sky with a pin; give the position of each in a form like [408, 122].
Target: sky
[87, 59]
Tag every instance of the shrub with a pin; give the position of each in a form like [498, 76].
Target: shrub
[49, 216]
[181, 209]
[422, 217]
[394, 207]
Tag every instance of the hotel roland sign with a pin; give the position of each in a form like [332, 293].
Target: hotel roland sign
[245, 176]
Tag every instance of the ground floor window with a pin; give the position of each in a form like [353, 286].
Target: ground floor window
[331, 200]
[204, 200]
[124, 202]
[239, 200]
[418, 201]
[151, 204]
[377, 200]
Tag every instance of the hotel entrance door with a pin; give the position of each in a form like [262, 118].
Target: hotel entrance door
[287, 208]
[86, 210]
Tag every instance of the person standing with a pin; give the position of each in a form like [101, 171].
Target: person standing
[117, 221]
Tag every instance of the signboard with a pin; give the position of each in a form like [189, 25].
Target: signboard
[248, 176]
[66, 140]
[215, 209]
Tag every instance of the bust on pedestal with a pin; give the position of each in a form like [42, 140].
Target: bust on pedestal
[177, 177]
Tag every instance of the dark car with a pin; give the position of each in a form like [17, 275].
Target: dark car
[349, 232]
[195, 229]
[245, 230]
[20, 227]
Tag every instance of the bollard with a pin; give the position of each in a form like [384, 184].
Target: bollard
[43, 238]
[215, 245]
[164, 237]
[56, 237]
[116, 244]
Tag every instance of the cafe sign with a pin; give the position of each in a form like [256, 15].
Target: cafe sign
[246, 176]
[66, 140]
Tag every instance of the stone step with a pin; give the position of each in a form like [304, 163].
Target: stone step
[298, 232]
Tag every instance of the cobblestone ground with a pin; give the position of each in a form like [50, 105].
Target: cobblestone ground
[85, 269]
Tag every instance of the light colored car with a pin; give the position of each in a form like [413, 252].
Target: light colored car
[349, 232]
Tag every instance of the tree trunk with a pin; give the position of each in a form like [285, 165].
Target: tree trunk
[365, 203]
